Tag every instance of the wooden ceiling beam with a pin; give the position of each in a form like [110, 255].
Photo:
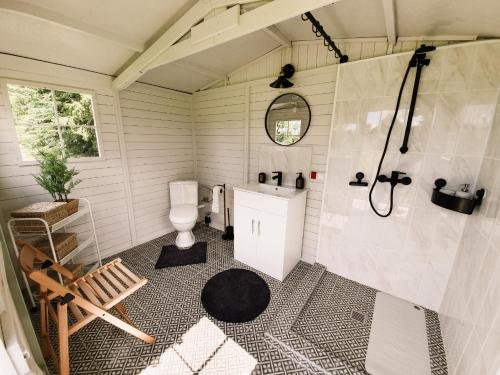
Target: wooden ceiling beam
[249, 22]
[390, 20]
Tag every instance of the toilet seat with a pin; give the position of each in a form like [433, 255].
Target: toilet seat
[183, 213]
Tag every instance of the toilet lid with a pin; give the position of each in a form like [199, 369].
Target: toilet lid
[183, 213]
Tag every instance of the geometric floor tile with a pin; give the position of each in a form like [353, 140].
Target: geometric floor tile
[188, 340]
[338, 318]
[230, 358]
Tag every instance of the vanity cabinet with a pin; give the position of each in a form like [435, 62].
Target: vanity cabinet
[268, 229]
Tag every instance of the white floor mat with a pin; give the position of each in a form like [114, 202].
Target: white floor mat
[398, 339]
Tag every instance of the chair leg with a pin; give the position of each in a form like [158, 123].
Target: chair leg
[62, 331]
[44, 327]
[120, 308]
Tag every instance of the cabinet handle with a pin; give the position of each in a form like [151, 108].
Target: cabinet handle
[252, 225]
[258, 227]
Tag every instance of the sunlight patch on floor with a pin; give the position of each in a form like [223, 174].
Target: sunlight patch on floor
[204, 349]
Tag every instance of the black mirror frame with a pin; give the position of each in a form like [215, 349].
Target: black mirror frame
[267, 113]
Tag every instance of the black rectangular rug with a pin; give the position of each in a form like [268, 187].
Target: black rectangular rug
[172, 256]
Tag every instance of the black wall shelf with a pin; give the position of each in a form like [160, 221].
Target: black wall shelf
[458, 204]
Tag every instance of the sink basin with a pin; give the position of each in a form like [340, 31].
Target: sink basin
[273, 190]
[281, 191]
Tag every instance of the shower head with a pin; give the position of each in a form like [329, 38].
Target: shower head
[424, 49]
[419, 56]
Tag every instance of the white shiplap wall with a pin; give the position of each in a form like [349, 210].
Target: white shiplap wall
[157, 128]
[308, 55]
[102, 180]
[147, 141]
[220, 140]
[229, 123]
[318, 88]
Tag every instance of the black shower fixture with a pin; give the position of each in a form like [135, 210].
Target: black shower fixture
[418, 60]
[282, 82]
[327, 41]
[394, 178]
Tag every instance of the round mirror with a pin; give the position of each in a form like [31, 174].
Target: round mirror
[287, 119]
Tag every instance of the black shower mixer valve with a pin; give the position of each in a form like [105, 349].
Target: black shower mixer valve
[394, 178]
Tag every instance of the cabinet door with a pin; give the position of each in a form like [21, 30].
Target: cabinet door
[245, 235]
[270, 244]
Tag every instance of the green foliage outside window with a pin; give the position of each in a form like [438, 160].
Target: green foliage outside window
[48, 119]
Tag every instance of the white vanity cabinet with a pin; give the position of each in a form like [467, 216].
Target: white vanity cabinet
[268, 227]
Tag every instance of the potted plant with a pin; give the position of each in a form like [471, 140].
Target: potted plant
[57, 178]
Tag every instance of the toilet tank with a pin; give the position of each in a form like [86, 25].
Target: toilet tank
[183, 192]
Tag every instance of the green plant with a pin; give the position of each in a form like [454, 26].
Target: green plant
[55, 175]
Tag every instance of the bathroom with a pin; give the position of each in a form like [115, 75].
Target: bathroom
[339, 289]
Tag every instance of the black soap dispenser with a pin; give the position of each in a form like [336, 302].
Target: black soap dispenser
[300, 182]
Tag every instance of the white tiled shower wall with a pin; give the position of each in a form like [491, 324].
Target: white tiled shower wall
[470, 312]
[411, 253]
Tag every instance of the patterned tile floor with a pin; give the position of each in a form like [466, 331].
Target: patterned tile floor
[189, 341]
[169, 308]
[329, 321]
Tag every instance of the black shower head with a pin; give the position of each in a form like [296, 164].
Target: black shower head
[420, 55]
[424, 49]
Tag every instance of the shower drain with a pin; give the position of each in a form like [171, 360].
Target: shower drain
[358, 316]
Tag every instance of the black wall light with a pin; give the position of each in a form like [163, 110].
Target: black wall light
[282, 82]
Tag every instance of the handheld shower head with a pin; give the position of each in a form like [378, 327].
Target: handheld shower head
[424, 49]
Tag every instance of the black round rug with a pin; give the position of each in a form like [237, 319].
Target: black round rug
[235, 295]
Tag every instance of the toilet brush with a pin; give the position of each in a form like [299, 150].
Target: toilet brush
[229, 233]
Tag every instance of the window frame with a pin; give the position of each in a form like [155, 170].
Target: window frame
[15, 136]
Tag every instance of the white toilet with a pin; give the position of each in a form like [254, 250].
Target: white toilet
[184, 211]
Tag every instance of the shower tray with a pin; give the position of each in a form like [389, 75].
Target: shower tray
[326, 326]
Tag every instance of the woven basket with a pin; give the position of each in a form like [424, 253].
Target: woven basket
[72, 206]
[51, 212]
[64, 243]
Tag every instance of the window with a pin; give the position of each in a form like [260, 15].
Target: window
[288, 131]
[45, 118]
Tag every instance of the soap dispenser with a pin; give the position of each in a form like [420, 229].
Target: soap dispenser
[300, 182]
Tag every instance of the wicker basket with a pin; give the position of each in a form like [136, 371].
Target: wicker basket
[64, 243]
[51, 212]
[72, 206]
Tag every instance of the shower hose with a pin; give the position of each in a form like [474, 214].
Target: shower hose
[396, 110]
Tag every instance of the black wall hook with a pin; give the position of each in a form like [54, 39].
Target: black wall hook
[359, 178]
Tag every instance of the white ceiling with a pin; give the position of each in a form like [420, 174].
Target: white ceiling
[140, 22]
[345, 19]
[448, 17]
[220, 60]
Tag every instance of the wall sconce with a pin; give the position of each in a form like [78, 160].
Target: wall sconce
[282, 82]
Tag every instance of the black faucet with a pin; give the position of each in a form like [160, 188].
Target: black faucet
[394, 179]
[279, 176]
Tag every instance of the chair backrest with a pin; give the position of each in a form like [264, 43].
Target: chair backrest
[29, 256]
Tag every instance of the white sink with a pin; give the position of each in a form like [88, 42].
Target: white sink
[286, 192]
[268, 227]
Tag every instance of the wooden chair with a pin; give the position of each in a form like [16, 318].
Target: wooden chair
[87, 298]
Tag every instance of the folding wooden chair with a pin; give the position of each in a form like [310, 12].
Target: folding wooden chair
[88, 297]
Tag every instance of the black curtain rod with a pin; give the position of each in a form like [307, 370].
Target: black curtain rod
[85, 70]
[327, 41]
